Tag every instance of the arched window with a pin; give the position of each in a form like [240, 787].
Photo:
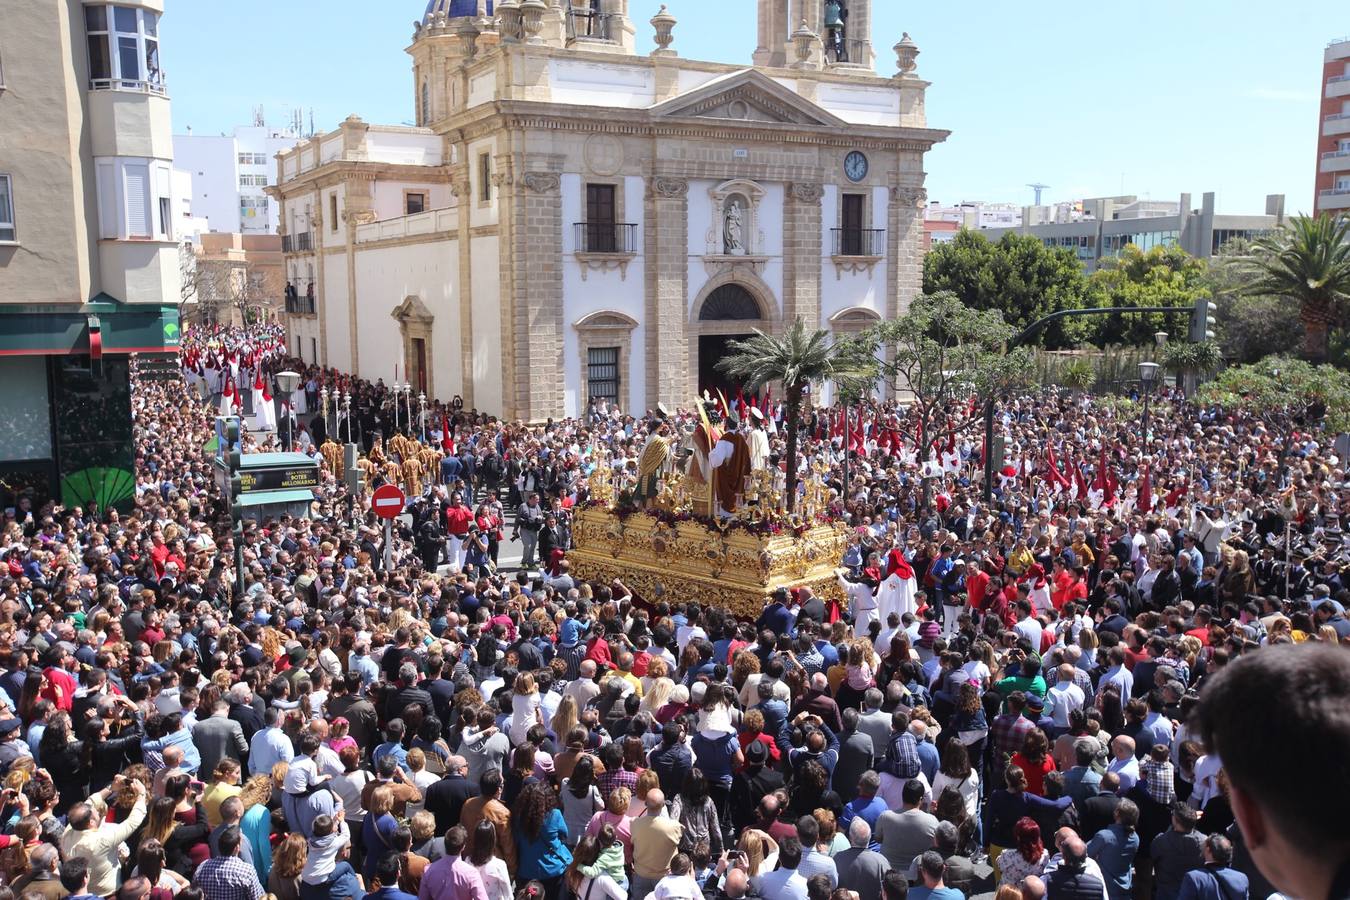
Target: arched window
[426, 104]
[730, 302]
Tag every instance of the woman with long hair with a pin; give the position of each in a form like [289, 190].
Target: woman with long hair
[256, 825]
[283, 881]
[525, 707]
[1027, 856]
[695, 810]
[63, 755]
[481, 854]
[957, 772]
[1034, 759]
[15, 847]
[520, 773]
[760, 850]
[580, 798]
[565, 718]
[377, 831]
[540, 834]
[165, 883]
[584, 878]
[657, 696]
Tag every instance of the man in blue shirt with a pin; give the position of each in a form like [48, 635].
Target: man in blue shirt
[867, 805]
[1114, 849]
[931, 887]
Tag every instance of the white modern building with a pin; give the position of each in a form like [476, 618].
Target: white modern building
[570, 220]
[230, 174]
[1099, 228]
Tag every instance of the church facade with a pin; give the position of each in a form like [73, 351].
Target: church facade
[569, 219]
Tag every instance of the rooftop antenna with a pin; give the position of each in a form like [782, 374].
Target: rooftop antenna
[1038, 188]
[311, 122]
[259, 120]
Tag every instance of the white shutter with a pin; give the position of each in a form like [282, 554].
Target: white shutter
[137, 178]
[107, 200]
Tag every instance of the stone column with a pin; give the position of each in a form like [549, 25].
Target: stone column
[357, 211]
[904, 248]
[537, 250]
[666, 318]
[802, 257]
[315, 225]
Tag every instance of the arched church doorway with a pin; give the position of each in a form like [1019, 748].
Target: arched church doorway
[728, 314]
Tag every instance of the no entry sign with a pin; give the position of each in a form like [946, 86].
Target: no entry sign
[387, 501]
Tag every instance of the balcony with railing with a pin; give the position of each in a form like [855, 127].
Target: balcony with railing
[1336, 161]
[859, 241]
[606, 237]
[300, 305]
[586, 24]
[605, 246]
[300, 242]
[1338, 86]
[1336, 123]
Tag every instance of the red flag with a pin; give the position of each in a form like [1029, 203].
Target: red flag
[1144, 503]
[740, 402]
[258, 384]
[1079, 481]
[1058, 481]
[1104, 479]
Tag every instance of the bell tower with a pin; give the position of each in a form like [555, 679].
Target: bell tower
[816, 34]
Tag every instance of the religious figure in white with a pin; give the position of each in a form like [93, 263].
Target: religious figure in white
[733, 229]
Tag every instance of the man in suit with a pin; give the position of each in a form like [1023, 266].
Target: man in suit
[219, 736]
[243, 711]
[875, 722]
[855, 757]
[550, 539]
[445, 799]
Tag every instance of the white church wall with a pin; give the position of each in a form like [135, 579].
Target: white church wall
[385, 276]
[861, 104]
[589, 83]
[337, 322]
[388, 197]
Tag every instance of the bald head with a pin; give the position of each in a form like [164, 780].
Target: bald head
[737, 882]
[1123, 746]
[656, 801]
[456, 765]
[1033, 888]
[587, 668]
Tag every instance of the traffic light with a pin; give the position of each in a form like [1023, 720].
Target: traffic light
[1202, 320]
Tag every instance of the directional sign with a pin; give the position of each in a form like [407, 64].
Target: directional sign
[387, 501]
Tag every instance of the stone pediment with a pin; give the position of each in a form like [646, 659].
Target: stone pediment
[747, 96]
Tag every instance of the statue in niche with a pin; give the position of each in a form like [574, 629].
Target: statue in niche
[836, 17]
[733, 229]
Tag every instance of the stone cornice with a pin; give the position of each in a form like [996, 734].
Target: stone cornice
[341, 171]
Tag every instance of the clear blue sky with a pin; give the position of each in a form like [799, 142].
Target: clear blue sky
[1088, 98]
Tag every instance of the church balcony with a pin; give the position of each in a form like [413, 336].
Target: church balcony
[586, 24]
[606, 237]
[859, 241]
[605, 246]
[300, 242]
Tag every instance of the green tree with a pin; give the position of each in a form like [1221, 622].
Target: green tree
[1307, 260]
[1249, 326]
[798, 358]
[941, 354]
[1161, 276]
[1286, 394]
[1018, 276]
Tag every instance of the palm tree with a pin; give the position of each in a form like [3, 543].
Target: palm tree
[1308, 260]
[796, 359]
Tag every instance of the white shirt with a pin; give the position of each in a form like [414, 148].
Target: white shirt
[1066, 698]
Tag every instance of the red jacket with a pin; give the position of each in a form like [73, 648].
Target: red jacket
[60, 689]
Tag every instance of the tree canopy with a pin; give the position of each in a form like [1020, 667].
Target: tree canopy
[1285, 393]
[1018, 276]
[943, 353]
[1307, 260]
[1249, 326]
[1160, 276]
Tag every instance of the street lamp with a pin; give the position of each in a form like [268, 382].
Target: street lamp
[1160, 338]
[287, 382]
[407, 406]
[347, 413]
[1148, 375]
[323, 393]
[422, 413]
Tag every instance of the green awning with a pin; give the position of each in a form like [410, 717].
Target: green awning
[270, 498]
[62, 329]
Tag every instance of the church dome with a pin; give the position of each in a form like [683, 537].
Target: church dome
[455, 9]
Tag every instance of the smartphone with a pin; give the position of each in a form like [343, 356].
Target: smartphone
[197, 786]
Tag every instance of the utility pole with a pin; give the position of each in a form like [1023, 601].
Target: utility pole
[233, 464]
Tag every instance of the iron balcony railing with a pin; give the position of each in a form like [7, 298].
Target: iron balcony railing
[606, 237]
[859, 241]
[300, 242]
[300, 306]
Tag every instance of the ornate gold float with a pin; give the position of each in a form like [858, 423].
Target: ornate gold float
[666, 554]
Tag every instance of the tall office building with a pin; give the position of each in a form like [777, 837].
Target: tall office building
[1333, 134]
[230, 174]
[89, 266]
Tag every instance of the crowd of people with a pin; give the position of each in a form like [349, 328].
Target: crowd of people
[1132, 689]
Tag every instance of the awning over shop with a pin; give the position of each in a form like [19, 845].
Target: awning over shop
[59, 329]
[274, 498]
